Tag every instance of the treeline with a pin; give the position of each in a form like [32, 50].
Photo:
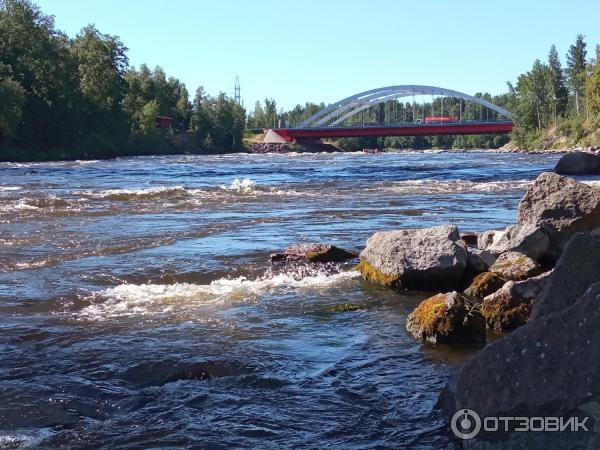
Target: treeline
[64, 97]
[556, 106]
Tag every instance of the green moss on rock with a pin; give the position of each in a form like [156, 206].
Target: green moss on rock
[484, 284]
[447, 318]
[345, 307]
[373, 275]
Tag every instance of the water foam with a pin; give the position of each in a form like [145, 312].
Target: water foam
[245, 185]
[128, 194]
[130, 300]
[455, 186]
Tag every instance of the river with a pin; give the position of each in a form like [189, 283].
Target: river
[138, 308]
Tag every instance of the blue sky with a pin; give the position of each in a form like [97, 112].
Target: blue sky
[297, 51]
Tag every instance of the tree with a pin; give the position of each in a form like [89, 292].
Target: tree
[593, 92]
[576, 68]
[560, 93]
[101, 65]
[12, 97]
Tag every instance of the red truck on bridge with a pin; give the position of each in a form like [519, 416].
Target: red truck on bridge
[440, 119]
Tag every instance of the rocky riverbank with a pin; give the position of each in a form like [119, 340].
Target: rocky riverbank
[527, 298]
[539, 281]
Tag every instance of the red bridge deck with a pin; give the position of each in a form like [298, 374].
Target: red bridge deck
[291, 134]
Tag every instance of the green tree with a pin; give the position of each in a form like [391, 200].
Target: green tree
[576, 58]
[12, 98]
[560, 93]
[101, 64]
[593, 92]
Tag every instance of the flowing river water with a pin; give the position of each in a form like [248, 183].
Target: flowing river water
[138, 308]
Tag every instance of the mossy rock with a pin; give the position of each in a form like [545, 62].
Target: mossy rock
[447, 318]
[373, 275]
[515, 266]
[345, 307]
[484, 284]
[502, 314]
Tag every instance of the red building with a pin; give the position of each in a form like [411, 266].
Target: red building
[163, 122]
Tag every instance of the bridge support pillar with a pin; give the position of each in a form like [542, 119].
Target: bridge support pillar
[278, 137]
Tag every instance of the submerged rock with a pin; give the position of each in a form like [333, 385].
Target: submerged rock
[510, 306]
[322, 253]
[578, 163]
[560, 206]
[345, 307]
[447, 318]
[515, 266]
[577, 268]
[485, 284]
[548, 367]
[421, 259]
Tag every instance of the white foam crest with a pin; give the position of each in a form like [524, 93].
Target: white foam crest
[22, 205]
[244, 185]
[9, 188]
[131, 300]
[141, 192]
[450, 186]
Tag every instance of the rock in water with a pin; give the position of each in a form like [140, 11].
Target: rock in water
[577, 268]
[548, 367]
[578, 163]
[560, 206]
[421, 259]
[515, 266]
[510, 306]
[322, 253]
[447, 318]
[484, 284]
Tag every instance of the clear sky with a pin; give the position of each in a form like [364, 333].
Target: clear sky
[297, 51]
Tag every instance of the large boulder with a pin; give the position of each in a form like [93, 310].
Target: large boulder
[561, 207]
[577, 268]
[515, 266]
[578, 163]
[447, 318]
[510, 306]
[323, 253]
[419, 259]
[527, 239]
[548, 367]
[484, 284]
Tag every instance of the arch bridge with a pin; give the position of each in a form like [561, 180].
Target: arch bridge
[340, 119]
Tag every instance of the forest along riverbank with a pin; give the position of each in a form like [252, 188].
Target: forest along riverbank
[140, 290]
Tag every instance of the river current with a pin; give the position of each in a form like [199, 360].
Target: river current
[138, 308]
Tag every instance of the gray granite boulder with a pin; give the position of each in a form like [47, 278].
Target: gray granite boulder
[561, 207]
[430, 259]
[577, 268]
[578, 163]
[548, 367]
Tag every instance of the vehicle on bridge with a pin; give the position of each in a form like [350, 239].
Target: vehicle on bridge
[440, 119]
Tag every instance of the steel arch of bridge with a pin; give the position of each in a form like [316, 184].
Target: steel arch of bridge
[336, 113]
